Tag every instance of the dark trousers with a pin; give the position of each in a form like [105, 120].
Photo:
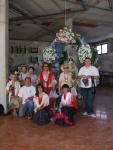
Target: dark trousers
[88, 96]
[69, 112]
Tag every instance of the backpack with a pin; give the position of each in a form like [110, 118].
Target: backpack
[1, 110]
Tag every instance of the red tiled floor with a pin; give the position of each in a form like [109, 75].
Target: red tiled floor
[87, 134]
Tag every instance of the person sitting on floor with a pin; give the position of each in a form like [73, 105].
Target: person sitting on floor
[26, 94]
[68, 108]
[41, 109]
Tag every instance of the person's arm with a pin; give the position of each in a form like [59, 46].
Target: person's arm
[59, 85]
[20, 94]
[7, 88]
[81, 74]
[33, 94]
[36, 104]
[20, 102]
[96, 74]
[18, 88]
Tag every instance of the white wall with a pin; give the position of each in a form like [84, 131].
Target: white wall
[23, 58]
[106, 62]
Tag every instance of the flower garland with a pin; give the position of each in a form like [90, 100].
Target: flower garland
[49, 55]
[66, 36]
[83, 52]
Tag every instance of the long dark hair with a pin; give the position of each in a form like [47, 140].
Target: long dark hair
[37, 86]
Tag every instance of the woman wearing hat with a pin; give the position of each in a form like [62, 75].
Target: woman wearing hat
[65, 76]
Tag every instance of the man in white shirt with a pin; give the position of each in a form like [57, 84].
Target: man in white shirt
[26, 94]
[24, 73]
[88, 76]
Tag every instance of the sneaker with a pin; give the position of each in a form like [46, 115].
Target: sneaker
[92, 115]
[85, 114]
[29, 118]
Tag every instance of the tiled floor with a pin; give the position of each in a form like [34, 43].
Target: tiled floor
[87, 134]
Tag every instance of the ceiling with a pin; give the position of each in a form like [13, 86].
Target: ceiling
[41, 19]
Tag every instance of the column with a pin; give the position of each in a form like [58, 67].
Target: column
[3, 51]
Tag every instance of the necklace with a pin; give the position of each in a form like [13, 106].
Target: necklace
[45, 76]
[65, 77]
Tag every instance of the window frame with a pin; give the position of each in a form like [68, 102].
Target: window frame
[102, 49]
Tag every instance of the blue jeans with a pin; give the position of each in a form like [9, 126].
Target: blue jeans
[88, 97]
[27, 109]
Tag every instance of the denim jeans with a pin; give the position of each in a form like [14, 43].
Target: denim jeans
[27, 109]
[88, 97]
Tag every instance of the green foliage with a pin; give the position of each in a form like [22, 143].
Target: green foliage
[64, 58]
[94, 56]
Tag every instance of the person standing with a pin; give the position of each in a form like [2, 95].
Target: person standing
[24, 73]
[47, 78]
[65, 77]
[26, 95]
[37, 69]
[32, 76]
[88, 75]
[12, 90]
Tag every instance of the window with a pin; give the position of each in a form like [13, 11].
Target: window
[102, 48]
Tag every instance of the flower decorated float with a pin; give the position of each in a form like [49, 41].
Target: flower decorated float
[59, 52]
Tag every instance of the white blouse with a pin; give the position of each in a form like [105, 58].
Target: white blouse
[44, 103]
[65, 79]
[66, 101]
[16, 87]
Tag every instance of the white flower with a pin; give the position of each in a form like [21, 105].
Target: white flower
[83, 52]
[66, 36]
[49, 54]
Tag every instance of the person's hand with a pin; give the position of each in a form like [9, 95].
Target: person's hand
[83, 76]
[20, 105]
[30, 98]
[88, 77]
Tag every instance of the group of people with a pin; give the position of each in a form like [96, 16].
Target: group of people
[38, 95]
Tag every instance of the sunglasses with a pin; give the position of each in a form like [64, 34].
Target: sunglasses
[66, 68]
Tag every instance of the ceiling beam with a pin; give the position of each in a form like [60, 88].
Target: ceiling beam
[56, 4]
[82, 2]
[24, 14]
[39, 6]
[85, 24]
[44, 16]
[17, 10]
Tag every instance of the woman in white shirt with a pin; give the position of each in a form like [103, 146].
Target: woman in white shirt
[68, 107]
[65, 77]
[41, 109]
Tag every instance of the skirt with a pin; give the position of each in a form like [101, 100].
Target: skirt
[66, 117]
[42, 116]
